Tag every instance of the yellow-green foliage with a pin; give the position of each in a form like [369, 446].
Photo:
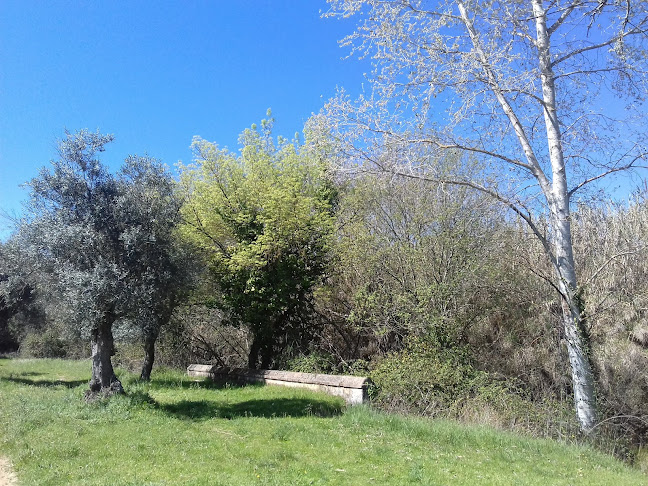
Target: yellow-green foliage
[263, 217]
[246, 210]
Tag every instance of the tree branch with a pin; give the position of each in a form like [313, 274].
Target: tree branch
[563, 17]
[610, 41]
[515, 207]
[534, 165]
[628, 166]
[612, 258]
[476, 150]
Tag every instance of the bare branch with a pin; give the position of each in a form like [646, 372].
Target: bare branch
[476, 150]
[586, 71]
[592, 47]
[566, 13]
[515, 206]
[611, 259]
[534, 165]
[630, 165]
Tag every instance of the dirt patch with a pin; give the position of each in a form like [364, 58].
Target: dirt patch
[7, 477]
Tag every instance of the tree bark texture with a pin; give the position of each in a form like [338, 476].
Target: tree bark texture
[581, 369]
[103, 379]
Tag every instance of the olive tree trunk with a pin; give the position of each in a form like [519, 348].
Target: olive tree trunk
[149, 356]
[103, 379]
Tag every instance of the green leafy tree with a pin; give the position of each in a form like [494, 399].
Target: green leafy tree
[264, 219]
[16, 295]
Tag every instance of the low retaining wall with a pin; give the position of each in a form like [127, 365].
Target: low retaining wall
[352, 388]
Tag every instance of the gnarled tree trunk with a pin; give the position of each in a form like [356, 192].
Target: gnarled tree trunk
[103, 379]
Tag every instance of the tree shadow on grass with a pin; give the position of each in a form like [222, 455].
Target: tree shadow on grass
[200, 384]
[268, 408]
[46, 383]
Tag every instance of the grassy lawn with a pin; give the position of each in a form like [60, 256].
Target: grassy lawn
[175, 431]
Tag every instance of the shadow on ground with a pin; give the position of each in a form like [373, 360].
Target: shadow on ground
[45, 383]
[280, 407]
[29, 373]
[200, 384]
[198, 410]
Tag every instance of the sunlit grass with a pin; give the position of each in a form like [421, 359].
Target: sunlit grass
[175, 431]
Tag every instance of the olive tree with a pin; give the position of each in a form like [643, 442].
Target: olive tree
[16, 295]
[105, 243]
[545, 94]
[161, 266]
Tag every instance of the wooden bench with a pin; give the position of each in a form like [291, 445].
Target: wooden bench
[352, 388]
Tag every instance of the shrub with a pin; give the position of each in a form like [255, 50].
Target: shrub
[422, 378]
[48, 344]
[426, 379]
[312, 363]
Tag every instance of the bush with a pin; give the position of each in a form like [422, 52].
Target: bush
[422, 378]
[45, 345]
[425, 379]
[312, 363]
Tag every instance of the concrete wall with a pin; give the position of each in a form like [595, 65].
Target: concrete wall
[352, 388]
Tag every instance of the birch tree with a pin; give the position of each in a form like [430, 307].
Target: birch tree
[546, 95]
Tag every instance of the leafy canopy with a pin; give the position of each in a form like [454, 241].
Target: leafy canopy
[106, 241]
[263, 217]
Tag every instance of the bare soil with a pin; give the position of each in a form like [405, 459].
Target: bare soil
[7, 477]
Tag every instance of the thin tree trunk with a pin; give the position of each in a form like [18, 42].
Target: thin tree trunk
[103, 379]
[253, 355]
[266, 355]
[573, 322]
[581, 369]
[150, 338]
[149, 356]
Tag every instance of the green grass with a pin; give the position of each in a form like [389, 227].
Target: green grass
[174, 431]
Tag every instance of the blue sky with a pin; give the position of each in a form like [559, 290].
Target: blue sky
[156, 73]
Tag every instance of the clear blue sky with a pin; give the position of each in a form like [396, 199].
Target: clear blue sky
[156, 73]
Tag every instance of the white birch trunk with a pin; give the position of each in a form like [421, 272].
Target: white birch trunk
[581, 370]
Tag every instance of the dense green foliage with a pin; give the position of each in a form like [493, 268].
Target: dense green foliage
[444, 302]
[264, 220]
[171, 431]
[415, 259]
[16, 295]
